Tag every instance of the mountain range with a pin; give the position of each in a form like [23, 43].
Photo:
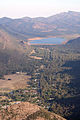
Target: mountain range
[66, 23]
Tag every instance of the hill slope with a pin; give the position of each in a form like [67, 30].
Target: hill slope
[75, 43]
[8, 41]
[27, 111]
[65, 23]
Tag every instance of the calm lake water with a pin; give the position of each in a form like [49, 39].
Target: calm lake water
[48, 41]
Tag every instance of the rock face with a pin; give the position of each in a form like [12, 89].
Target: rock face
[27, 111]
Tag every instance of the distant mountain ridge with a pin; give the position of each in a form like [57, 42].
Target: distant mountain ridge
[74, 43]
[65, 23]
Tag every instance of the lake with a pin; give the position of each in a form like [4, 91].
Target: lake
[48, 41]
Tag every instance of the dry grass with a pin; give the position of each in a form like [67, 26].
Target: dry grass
[27, 111]
[40, 118]
[37, 58]
[18, 81]
[18, 111]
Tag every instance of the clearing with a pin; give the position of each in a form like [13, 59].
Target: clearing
[14, 81]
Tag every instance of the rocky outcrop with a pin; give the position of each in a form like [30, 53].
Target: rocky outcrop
[27, 111]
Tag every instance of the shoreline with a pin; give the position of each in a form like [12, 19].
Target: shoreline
[57, 36]
[46, 44]
[66, 37]
[39, 38]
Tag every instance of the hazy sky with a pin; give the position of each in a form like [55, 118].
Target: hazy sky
[36, 8]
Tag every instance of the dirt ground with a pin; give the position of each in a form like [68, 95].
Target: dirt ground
[14, 81]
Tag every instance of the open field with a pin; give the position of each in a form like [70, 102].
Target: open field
[13, 82]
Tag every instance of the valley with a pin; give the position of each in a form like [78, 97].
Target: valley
[44, 75]
[54, 82]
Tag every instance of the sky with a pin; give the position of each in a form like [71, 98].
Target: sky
[36, 8]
